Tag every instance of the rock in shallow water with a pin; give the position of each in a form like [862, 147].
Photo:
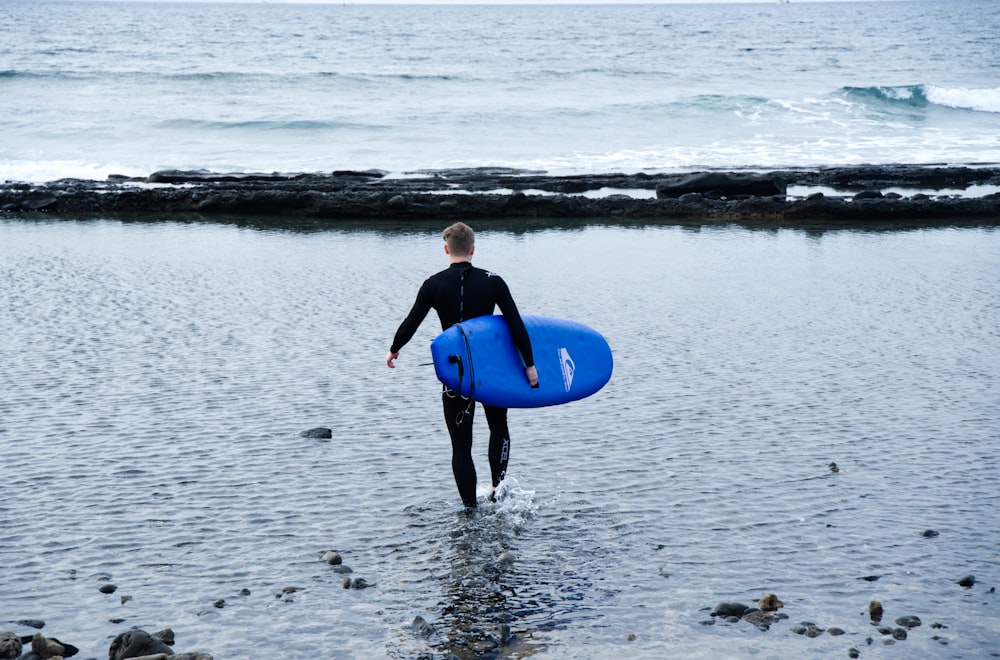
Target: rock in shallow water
[808, 629]
[770, 603]
[730, 609]
[47, 648]
[10, 646]
[356, 583]
[136, 643]
[318, 433]
[762, 620]
[37, 624]
[421, 627]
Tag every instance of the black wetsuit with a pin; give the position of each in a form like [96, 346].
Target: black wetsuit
[459, 293]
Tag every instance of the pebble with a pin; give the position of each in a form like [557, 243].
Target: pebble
[967, 581]
[759, 618]
[770, 603]
[10, 645]
[908, 621]
[730, 609]
[37, 624]
[506, 558]
[808, 629]
[108, 589]
[47, 648]
[319, 433]
[421, 627]
[356, 583]
[333, 558]
[875, 610]
[930, 533]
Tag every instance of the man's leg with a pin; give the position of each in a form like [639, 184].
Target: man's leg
[458, 415]
[499, 442]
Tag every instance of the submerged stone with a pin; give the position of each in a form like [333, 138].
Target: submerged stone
[730, 609]
[421, 627]
[762, 620]
[37, 624]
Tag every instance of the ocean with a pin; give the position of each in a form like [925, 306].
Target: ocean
[89, 89]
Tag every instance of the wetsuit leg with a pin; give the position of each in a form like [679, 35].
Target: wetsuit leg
[459, 424]
[499, 442]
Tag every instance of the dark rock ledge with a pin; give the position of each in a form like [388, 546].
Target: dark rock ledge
[853, 196]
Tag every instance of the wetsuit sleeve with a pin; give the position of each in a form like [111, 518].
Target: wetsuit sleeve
[409, 326]
[514, 322]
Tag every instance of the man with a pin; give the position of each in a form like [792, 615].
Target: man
[458, 293]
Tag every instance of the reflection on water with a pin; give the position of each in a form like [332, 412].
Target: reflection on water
[157, 376]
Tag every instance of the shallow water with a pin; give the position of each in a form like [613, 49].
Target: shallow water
[157, 376]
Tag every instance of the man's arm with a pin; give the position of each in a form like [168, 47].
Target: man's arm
[409, 326]
[518, 332]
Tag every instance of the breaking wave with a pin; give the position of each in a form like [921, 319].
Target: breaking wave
[919, 96]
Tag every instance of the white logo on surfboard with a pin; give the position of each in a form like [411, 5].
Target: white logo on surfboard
[568, 368]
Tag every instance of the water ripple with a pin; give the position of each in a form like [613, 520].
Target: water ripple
[159, 376]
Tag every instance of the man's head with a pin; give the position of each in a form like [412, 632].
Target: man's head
[460, 241]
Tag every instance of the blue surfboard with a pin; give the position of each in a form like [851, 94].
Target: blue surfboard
[478, 358]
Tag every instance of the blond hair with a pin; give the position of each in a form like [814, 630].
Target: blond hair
[460, 239]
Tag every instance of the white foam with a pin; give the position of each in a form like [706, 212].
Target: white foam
[53, 170]
[981, 100]
[514, 504]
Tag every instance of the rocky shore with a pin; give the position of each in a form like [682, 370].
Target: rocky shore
[463, 627]
[865, 196]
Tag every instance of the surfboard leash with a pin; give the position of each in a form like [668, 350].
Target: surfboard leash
[469, 409]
